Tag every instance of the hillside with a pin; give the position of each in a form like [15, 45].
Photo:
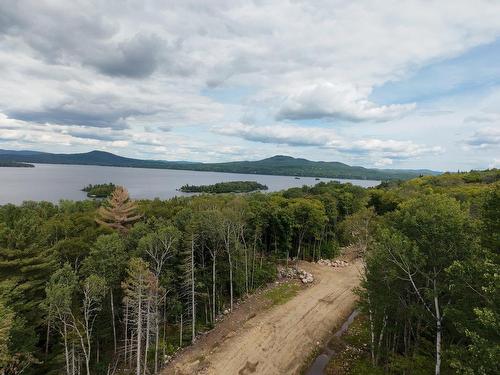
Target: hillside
[15, 164]
[276, 165]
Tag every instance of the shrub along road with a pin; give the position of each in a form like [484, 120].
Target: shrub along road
[277, 340]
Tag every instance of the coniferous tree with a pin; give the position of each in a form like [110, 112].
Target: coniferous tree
[120, 213]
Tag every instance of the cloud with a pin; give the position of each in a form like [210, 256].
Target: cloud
[494, 164]
[279, 134]
[91, 133]
[328, 140]
[483, 118]
[383, 162]
[158, 128]
[137, 57]
[484, 138]
[128, 66]
[338, 101]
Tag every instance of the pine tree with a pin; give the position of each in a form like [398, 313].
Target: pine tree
[120, 213]
[6, 322]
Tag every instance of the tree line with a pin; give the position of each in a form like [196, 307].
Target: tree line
[431, 285]
[116, 286]
[225, 187]
[99, 190]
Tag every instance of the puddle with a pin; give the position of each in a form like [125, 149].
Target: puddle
[320, 362]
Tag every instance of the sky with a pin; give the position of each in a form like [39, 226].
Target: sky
[377, 83]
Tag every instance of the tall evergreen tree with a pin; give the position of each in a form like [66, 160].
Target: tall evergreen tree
[120, 212]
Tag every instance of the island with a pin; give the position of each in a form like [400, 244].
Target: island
[225, 187]
[99, 190]
[15, 164]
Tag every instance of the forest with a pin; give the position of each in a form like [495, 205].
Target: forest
[225, 187]
[99, 190]
[117, 286]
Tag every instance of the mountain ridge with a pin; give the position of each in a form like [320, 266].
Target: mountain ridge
[275, 165]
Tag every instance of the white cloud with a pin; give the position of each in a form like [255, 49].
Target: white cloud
[328, 140]
[494, 164]
[485, 138]
[483, 117]
[383, 162]
[340, 101]
[130, 68]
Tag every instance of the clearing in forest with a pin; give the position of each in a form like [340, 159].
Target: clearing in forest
[256, 339]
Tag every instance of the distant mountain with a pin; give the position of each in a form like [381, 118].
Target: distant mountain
[15, 164]
[87, 158]
[276, 165]
[20, 152]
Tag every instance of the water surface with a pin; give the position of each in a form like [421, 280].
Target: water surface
[319, 365]
[53, 182]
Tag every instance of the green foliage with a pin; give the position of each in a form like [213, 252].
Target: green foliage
[443, 229]
[225, 187]
[436, 256]
[6, 323]
[60, 291]
[107, 258]
[99, 190]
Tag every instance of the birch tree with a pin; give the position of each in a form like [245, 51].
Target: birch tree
[423, 238]
[93, 289]
[107, 259]
[188, 268]
[159, 246]
[58, 304]
[308, 219]
[139, 290]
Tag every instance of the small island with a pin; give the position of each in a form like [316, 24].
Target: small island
[99, 190]
[15, 164]
[225, 187]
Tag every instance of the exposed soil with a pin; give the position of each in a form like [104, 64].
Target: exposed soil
[259, 339]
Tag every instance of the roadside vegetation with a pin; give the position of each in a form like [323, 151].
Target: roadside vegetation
[225, 187]
[282, 293]
[431, 293]
[100, 286]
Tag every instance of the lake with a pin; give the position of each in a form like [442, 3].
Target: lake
[53, 182]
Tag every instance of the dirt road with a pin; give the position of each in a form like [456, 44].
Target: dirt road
[279, 339]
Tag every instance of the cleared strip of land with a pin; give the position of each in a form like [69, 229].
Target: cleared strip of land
[255, 340]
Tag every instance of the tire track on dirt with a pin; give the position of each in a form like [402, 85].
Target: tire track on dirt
[278, 340]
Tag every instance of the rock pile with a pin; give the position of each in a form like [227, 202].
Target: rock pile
[296, 273]
[305, 277]
[333, 263]
[287, 272]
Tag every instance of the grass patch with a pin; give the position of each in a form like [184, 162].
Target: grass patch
[282, 293]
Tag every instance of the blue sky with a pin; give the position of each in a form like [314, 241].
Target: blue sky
[381, 84]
